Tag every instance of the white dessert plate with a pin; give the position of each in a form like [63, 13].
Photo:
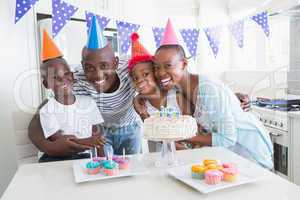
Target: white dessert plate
[136, 167]
[183, 174]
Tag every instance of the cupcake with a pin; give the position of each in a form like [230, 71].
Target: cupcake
[122, 162]
[213, 166]
[93, 167]
[230, 174]
[229, 165]
[198, 171]
[209, 162]
[213, 177]
[110, 167]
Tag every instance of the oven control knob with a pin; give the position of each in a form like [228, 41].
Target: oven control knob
[275, 123]
[281, 124]
[270, 122]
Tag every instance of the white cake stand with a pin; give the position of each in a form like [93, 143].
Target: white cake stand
[167, 157]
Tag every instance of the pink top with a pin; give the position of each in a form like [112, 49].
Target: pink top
[230, 170]
[229, 165]
[213, 173]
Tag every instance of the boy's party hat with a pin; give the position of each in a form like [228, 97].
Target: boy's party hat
[96, 39]
[49, 48]
[138, 52]
[169, 37]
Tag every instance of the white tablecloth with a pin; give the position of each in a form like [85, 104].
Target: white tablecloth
[55, 181]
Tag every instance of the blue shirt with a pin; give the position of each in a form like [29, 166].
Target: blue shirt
[218, 111]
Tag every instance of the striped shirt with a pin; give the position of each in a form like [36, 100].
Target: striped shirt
[116, 107]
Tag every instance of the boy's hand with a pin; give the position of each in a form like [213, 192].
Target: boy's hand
[64, 146]
[93, 141]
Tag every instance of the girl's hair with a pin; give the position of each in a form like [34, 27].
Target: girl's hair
[176, 47]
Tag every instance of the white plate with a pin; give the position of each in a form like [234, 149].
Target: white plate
[136, 167]
[183, 173]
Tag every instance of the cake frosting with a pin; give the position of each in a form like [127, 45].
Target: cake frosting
[169, 124]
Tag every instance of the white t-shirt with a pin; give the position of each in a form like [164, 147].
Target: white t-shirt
[76, 119]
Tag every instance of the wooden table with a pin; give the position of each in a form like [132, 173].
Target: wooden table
[55, 181]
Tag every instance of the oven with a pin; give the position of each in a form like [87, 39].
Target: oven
[276, 123]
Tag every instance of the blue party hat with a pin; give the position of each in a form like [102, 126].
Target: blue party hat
[96, 39]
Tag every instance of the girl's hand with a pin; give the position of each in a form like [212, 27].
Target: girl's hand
[140, 107]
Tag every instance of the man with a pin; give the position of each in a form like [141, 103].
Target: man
[105, 78]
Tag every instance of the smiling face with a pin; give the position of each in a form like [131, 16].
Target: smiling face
[99, 68]
[58, 77]
[169, 67]
[143, 78]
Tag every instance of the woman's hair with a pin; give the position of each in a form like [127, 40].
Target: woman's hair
[176, 47]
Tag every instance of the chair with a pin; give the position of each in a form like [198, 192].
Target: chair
[25, 150]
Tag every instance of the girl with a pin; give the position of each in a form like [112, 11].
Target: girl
[141, 71]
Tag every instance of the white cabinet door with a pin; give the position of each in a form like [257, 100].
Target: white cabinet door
[295, 150]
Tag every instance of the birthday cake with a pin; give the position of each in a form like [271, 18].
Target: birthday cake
[168, 124]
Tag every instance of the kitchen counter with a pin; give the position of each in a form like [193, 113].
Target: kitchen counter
[55, 181]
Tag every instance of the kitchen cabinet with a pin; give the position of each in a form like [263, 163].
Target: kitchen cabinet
[294, 122]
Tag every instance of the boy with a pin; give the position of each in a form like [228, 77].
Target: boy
[65, 115]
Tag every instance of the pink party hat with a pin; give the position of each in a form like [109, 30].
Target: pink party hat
[169, 37]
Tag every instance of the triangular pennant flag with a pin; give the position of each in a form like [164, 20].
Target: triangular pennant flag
[158, 33]
[102, 21]
[213, 35]
[61, 14]
[237, 31]
[49, 48]
[22, 7]
[190, 37]
[125, 29]
[169, 37]
[262, 20]
[96, 39]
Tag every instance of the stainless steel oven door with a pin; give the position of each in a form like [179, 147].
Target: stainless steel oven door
[281, 158]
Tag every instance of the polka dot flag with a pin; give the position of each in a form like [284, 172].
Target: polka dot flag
[125, 30]
[262, 20]
[213, 35]
[102, 21]
[237, 31]
[22, 7]
[158, 33]
[190, 37]
[61, 14]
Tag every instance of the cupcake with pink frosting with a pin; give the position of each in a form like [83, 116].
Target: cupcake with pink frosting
[122, 162]
[213, 177]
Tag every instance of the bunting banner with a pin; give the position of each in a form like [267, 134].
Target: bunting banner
[190, 37]
[63, 11]
[102, 21]
[22, 7]
[125, 30]
[61, 14]
[237, 31]
[158, 34]
[213, 35]
[262, 20]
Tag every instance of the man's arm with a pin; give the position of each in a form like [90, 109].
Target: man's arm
[62, 146]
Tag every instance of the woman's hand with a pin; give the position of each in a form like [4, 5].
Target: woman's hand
[245, 101]
[140, 107]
